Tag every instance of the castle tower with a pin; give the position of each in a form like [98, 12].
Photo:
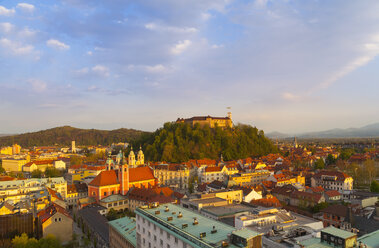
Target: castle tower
[131, 158]
[140, 157]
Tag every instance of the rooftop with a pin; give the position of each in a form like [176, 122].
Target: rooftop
[371, 239]
[126, 227]
[338, 232]
[113, 198]
[183, 227]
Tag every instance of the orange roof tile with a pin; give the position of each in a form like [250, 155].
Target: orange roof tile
[140, 174]
[105, 178]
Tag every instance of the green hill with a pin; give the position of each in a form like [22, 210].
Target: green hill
[64, 135]
[179, 142]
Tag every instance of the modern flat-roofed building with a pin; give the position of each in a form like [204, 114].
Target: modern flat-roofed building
[171, 226]
[122, 233]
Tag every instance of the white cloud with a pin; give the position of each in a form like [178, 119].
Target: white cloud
[260, 3]
[57, 44]
[16, 47]
[6, 27]
[26, 32]
[173, 29]
[101, 70]
[156, 68]
[205, 16]
[37, 85]
[26, 7]
[181, 46]
[6, 12]
[215, 46]
[89, 53]
[290, 96]
[82, 71]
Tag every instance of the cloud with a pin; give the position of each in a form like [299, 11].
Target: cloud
[101, 70]
[37, 85]
[57, 44]
[290, 96]
[6, 12]
[16, 47]
[27, 32]
[6, 27]
[26, 7]
[156, 68]
[163, 28]
[180, 47]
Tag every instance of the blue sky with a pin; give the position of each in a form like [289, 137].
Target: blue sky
[288, 66]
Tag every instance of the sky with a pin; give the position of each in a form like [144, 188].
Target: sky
[283, 65]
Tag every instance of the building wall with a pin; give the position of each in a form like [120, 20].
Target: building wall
[117, 241]
[13, 165]
[58, 225]
[150, 235]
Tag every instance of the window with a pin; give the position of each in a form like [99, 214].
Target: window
[161, 232]
[168, 236]
[105, 193]
[161, 243]
[176, 240]
[168, 246]
[155, 238]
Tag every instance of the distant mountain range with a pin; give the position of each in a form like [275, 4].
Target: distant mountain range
[64, 135]
[363, 132]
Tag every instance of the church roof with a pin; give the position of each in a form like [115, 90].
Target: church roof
[140, 174]
[105, 178]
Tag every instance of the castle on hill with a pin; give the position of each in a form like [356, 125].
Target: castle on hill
[209, 120]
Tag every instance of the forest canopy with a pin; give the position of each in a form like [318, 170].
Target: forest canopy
[179, 142]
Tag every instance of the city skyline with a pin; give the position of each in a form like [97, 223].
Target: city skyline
[288, 66]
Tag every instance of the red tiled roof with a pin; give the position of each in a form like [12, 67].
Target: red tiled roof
[306, 196]
[213, 169]
[105, 178]
[54, 193]
[45, 214]
[317, 189]
[7, 178]
[166, 191]
[267, 202]
[332, 193]
[338, 174]
[140, 174]
[338, 210]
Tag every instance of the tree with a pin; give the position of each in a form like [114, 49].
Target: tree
[374, 187]
[319, 164]
[36, 174]
[330, 159]
[53, 172]
[76, 160]
[23, 241]
[112, 214]
[370, 169]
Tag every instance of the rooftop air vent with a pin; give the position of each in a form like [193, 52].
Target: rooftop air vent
[173, 213]
[225, 244]
[167, 209]
[195, 222]
[202, 235]
[169, 218]
[214, 230]
[180, 215]
[184, 226]
[157, 212]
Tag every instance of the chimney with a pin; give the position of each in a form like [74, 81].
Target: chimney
[167, 209]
